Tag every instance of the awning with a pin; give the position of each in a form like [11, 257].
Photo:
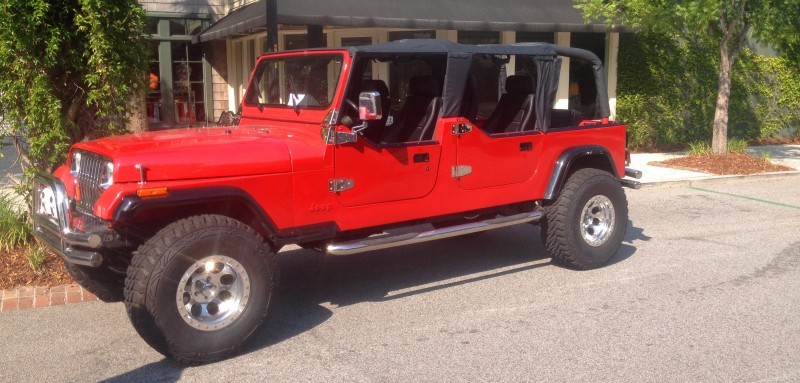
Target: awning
[475, 15]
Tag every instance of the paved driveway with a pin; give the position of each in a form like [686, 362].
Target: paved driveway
[706, 287]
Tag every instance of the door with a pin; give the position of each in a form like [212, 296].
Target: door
[386, 173]
[485, 160]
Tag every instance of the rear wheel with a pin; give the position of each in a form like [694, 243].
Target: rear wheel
[199, 288]
[584, 227]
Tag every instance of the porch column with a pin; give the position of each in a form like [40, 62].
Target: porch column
[612, 51]
[509, 37]
[271, 42]
[562, 96]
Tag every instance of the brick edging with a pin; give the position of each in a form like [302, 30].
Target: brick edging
[24, 298]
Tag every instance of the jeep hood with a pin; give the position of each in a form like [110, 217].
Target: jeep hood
[194, 153]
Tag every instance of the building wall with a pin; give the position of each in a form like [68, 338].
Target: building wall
[218, 57]
[215, 52]
[216, 8]
[233, 4]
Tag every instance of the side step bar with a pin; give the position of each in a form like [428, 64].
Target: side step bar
[370, 244]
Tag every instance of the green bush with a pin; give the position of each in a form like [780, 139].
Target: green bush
[666, 92]
[699, 148]
[737, 146]
[703, 148]
[15, 232]
[36, 255]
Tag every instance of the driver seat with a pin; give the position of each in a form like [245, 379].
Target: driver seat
[416, 120]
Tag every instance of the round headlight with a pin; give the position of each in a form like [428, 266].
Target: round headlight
[107, 175]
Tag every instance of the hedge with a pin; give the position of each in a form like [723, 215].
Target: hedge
[666, 92]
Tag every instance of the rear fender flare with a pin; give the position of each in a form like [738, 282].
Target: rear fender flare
[564, 166]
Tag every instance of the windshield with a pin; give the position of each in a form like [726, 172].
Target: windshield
[301, 81]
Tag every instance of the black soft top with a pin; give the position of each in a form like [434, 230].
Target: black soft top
[459, 57]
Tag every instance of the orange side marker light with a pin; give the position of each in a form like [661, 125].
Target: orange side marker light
[152, 192]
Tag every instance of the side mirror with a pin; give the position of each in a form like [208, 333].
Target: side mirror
[369, 106]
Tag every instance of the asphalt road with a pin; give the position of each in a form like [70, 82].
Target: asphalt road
[706, 287]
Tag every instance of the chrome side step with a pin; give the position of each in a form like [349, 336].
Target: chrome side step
[370, 244]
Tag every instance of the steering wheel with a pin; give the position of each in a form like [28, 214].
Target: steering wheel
[352, 104]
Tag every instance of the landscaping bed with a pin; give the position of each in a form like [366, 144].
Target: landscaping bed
[728, 164]
[16, 270]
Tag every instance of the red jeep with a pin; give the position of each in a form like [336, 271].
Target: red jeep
[183, 225]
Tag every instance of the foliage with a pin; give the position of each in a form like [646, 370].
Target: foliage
[737, 146]
[67, 70]
[721, 23]
[699, 148]
[36, 255]
[765, 157]
[779, 27]
[15, 232]
[765, 98]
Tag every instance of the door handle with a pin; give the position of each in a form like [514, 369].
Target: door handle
[422, 157]
[525, 146]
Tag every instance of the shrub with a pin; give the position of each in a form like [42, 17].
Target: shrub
[15, 232]
[667, 91]
[699, 148]
[737, 146]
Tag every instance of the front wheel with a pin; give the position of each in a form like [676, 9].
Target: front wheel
[584, 227]
[199, 288]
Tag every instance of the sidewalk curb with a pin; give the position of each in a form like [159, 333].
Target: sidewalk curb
[29, 297]
[714, 179]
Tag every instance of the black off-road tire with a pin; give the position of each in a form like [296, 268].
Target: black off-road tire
[564, 226]
[105, 284]
[154, 279]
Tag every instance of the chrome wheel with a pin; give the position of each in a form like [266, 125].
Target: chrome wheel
[213, 292]
[597, 220]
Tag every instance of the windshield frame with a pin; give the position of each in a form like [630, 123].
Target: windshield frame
[266, 60]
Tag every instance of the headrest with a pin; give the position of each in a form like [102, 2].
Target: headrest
[375, 86]
[424, 86]
[519, 84]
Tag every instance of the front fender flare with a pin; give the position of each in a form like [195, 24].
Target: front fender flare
[132, 206]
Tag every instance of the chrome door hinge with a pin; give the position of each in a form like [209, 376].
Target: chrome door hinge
[459, 129]
[460, 171]
[340, 185]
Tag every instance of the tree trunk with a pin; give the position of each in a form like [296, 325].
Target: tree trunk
[719, 139]
[137, 112]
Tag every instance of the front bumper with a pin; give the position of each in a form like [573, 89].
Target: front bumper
[54, 224]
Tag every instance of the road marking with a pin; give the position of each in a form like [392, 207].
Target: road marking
[745, 197]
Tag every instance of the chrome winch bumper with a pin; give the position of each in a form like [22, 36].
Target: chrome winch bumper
[53, 224]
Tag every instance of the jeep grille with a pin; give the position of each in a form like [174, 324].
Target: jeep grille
[88, 178]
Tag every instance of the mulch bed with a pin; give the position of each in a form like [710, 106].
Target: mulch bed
[15, 271]
[728, 164]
